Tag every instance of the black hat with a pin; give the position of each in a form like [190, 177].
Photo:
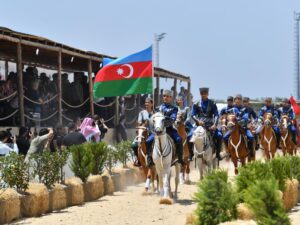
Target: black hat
[229, 98]
[238, 96]
[246, 99]
[204, 90]
[268, 99]
[285, 100]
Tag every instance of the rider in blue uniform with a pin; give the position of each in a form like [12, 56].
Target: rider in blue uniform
[170, 113]
[269, 107]
[205, 113]
[185, 111]
[286, 109]
[227, 109]
[242, 117]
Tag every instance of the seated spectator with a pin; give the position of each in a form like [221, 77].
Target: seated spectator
[4, 148]
[73, 137]
[23, 140]
[39, 143]
[89, 130]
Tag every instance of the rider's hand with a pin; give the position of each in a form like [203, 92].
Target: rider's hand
[213, 127]
[200, 123]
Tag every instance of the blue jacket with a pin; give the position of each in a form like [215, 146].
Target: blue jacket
[170, 113]
[269, 109]
[287, 111]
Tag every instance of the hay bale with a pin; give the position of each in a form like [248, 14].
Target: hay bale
[57, 198]
[116, 178]
[288, 195]
[240, 222]
[280, 194]
[295, 190]
[93, 188]
[9, 205]
[138, 174]
[244, 213]
[75, 193]
[108, 184]
[190, 219]
[36, 200]
[120, 183]
[130, 177]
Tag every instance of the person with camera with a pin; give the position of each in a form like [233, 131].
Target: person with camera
[101, 126]
[23, 140]
[38, 144]
[4, 140]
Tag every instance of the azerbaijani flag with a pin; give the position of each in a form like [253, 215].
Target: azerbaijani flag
[125, 76]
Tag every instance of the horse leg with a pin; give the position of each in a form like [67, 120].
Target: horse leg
[235, 163]
[187, 176]
[181, 175]
[177, 168]
[148, 180]
[199, 164]
[166, 182]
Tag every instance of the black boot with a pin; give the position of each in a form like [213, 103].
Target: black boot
[179, 151]
[191, 151]
[294, 138]
[250, 146]
[135, 150]
[278, 140]
[150, 162]
[256, 142]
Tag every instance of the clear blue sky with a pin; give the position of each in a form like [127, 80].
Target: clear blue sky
[232, 46]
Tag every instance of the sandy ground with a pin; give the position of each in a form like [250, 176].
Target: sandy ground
[132, 208]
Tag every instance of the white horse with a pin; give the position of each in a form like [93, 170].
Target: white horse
[162, 155]
[203, 152]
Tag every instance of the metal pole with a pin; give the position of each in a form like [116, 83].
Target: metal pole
[296, 17]
[175, 89]
[20, 83]
[157, 50]
[6, 69]
[189, 94]
[91, 87]
[59, 95]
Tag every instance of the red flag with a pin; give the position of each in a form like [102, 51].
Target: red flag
[295, 106]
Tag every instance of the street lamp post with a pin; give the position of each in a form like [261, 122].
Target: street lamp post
[297, 19]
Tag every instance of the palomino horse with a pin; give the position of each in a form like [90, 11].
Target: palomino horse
[184, 176]
[237, 147]
[268, 137]
[163, 155]
[287, 144]
[203, 151]
[150, 173]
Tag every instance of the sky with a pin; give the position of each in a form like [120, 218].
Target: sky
[232, 46]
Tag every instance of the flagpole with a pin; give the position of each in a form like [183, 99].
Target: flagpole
[153, 92]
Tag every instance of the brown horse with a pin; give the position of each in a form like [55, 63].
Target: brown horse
[237, 147]
[184, 176]
[150, 173]
[268, 137]
[287, 144]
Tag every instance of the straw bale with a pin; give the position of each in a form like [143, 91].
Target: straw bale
[121, 182]
[190, 219]
[240, 222]
[75, 193]
[57, 198]
[244, 213]
[116, 178]
[93, 188]
[9, 205]
[108, 184]
[36, 200]
[295, 190]
[139, 175]
[288, 195]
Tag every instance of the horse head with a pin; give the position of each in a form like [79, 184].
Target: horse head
[223, 122]
[179, 119]
[231, 121]
[199, 138]
[141, 134]
[284, 122]
[267, 119]
[158, 122]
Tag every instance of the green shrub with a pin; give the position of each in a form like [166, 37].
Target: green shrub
[46, 166]
[82, 161]
[282, 170]
[250, 173]
[14, 172]
[216, 200]
[263, 199]
[111, 158]
[99, 151]
[123, 151]
[295, 164]
[63, 156]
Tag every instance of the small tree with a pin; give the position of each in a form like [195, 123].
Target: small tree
[63, 156]
[100, 152]
[123, 152]
[82, 161]
[111, 158]
[263, 199]
[216, 200]
[14, 172]
[282, 170]
[46, 166]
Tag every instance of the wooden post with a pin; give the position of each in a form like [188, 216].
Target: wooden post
[91, 87]
[6, 69]
[20, 83]
[59, 92]
[117, 116]
[189, 94]
[175, 89]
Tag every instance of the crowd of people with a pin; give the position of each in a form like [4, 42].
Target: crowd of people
[28, 141]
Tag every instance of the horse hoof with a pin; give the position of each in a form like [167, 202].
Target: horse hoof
[166, 201]
[146, 193]
[181, 182]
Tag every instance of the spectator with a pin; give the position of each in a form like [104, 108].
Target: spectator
[77, 122]
[101, 125]
[33, 94]
[89, 130]
[4, 149]
[73, 137]
[57, 139]
[23, 140]
[39, 143]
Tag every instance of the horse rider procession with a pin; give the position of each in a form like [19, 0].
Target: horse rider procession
[175, 134]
